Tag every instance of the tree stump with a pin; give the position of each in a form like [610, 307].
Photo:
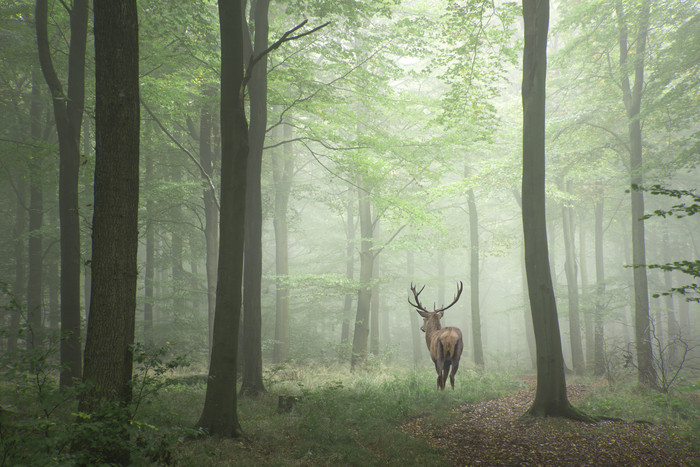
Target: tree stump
[285, 403]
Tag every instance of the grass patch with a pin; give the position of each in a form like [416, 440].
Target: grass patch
[680, 407]
[343, 419]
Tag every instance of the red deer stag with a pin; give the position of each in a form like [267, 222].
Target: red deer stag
[445, 344]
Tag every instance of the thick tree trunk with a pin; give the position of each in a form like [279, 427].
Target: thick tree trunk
[282, 172]
[572, 286]
[68, 113]
[219, 415]
[550, 395]
[632, 97]
[474, 278]
[252, 383]
[110, 332]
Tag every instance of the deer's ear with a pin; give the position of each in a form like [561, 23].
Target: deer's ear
[441, 313]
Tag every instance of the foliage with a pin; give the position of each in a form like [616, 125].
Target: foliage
[39, 424]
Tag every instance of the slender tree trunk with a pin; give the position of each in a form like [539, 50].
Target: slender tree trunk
[671, 323]
[282, 172]
[252, 383]
[415, 322]
[527, 315]
[349, 264]
[20, 284]
[211, 213]
[220, 415]
[374, 312]
[68, 113]
[599, 331]
[149, 268]
[588, 312]
[36, 214]
[550, 395]
[474, 276]
[361, 334]
[110, 332]
[572, 285]
[632, 97]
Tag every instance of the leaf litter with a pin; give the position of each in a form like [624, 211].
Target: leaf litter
[495, 433]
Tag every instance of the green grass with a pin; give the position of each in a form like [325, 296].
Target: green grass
[343, 419]
[680, 407]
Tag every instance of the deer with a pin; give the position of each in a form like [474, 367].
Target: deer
[445, 344]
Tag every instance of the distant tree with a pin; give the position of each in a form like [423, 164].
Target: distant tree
[68, 113]
[550, 395]
[632, 98]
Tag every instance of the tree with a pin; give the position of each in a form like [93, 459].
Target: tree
[632, 98]
[219, 415]
[550, 395]
[252, 383]
[110, 332]
[68, 113]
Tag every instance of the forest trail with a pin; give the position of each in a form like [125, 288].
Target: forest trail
[492, 433]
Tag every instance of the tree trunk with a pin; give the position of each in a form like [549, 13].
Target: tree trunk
[474, 278]
[415, 322]
[36, 214]
[110, 332]
[149, 268]
[587, 311]
[220, 416]
[361, 334]
[374, 312]
[68, 113]
[282, 172]
[211, 213]
[20, 284]
[349, 264]
[252, 383]
[632, 97]
[599, 331]
[572, 286]
[550, 395]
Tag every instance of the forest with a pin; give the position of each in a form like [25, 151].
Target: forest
[238, 231]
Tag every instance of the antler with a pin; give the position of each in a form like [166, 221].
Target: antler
[418, 306]
[459, 292]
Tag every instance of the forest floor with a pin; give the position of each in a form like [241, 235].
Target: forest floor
[494, 433]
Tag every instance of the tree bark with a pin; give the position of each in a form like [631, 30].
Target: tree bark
[415, 322]
[252, 383]
[572, 286]
[550, 395]
[349, 264]
[110, 332]
[149, 267]
[632, 97]
[36, 214]
[599, 330]
[374, 311]
[474, 279]
[68, 113]
[219, 415]
[282, 172]
[20, 284]
[364, 295]
[211, 213]
[588, 312]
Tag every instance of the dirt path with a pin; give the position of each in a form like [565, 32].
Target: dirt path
[493, 434]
